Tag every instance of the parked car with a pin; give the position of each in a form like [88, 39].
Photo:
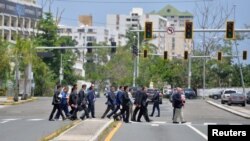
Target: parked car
[151, 92]
[167, 93]
[216, 95]
[237, 98]
[190, 93]
[248, 98]
[226, 94]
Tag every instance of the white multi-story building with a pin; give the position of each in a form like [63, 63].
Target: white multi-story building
[169, 16]
[83, 35]
[18, 18]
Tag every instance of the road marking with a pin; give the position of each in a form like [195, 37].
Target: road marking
[4, 121]
[207, 123]
[112, 133]
[10, 119]
[197, 131]
[34, 119]
[154, 124]
[159, 122]
[235, 123]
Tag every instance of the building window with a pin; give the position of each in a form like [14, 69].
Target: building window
[80, 30]
[128, 20]
[90, 30]
[134, 19]
[168, 10]
[173, 43]
[175, 21]
[134, 25]
[172, 17]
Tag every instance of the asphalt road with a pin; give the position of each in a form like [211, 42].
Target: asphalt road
[197, 113]
[29, 121]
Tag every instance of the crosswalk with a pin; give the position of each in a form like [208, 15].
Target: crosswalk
[8, 120]
[157, 123]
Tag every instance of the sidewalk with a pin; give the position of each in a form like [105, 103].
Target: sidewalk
[87, 130]
[240, 111]
[6, 101]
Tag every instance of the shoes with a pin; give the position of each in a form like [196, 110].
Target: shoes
[138, 121]
[51, 120]
[150, 120]
[82, 118]
[157, 116]
[133, 120]
[93, 116]
[108, 117]
[183, 122]
[175, 122]
[151, 115]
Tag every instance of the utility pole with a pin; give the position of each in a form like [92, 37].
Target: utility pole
[61, 71]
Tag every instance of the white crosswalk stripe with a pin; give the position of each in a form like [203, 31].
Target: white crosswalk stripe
[35, 119]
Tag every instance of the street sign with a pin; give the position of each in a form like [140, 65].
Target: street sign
[170, 30]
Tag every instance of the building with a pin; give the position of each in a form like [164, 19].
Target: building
[176, 44]
[83, 35]
[168, 16]
[18, 18]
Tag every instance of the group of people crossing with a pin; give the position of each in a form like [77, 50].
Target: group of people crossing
[121, 104]
[77, 101]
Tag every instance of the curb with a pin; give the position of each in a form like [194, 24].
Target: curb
[229, 110]
[61, 131]
[19, 102]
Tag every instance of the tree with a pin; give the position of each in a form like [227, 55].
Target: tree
[4, 63]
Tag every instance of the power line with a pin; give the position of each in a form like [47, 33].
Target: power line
[134, 2]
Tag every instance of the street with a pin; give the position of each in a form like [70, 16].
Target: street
[29, 122]
[197, 113]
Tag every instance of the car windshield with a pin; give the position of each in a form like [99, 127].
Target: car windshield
[230, 92]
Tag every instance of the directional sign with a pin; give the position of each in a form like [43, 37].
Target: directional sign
[170, 30]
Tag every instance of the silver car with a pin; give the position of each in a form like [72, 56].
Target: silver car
[237, 98]
[226, 94]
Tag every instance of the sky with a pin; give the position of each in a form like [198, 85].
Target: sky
[99, 9]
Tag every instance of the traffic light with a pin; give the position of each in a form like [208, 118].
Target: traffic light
[230, 30]
[165, 55]
[89, 50]
[113, 49]
[148, 32]
[185, 55]
[134, 50]
[189, 30]
[145, 53]
[219, 56]
[244, 55]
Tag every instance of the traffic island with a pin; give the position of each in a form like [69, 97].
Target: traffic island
[237, 110]
[10, 101]
[60, 131]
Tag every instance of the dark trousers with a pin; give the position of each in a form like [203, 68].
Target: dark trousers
[91, 108]
[156, 105]
[85, 113]
[135, 113]
[109, 107]
[64, 108]
[144, 112]
[58, 108]
[125, 108]
[116, 108]
[73, 112]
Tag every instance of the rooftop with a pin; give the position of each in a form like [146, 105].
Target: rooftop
[169, 10]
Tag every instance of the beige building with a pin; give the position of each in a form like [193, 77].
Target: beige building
[175, 43]
[85, 20]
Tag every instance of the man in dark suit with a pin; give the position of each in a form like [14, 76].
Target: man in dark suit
[111, 101]
[137, 103]
[56, 104]
[144, 104]
[156, 100]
